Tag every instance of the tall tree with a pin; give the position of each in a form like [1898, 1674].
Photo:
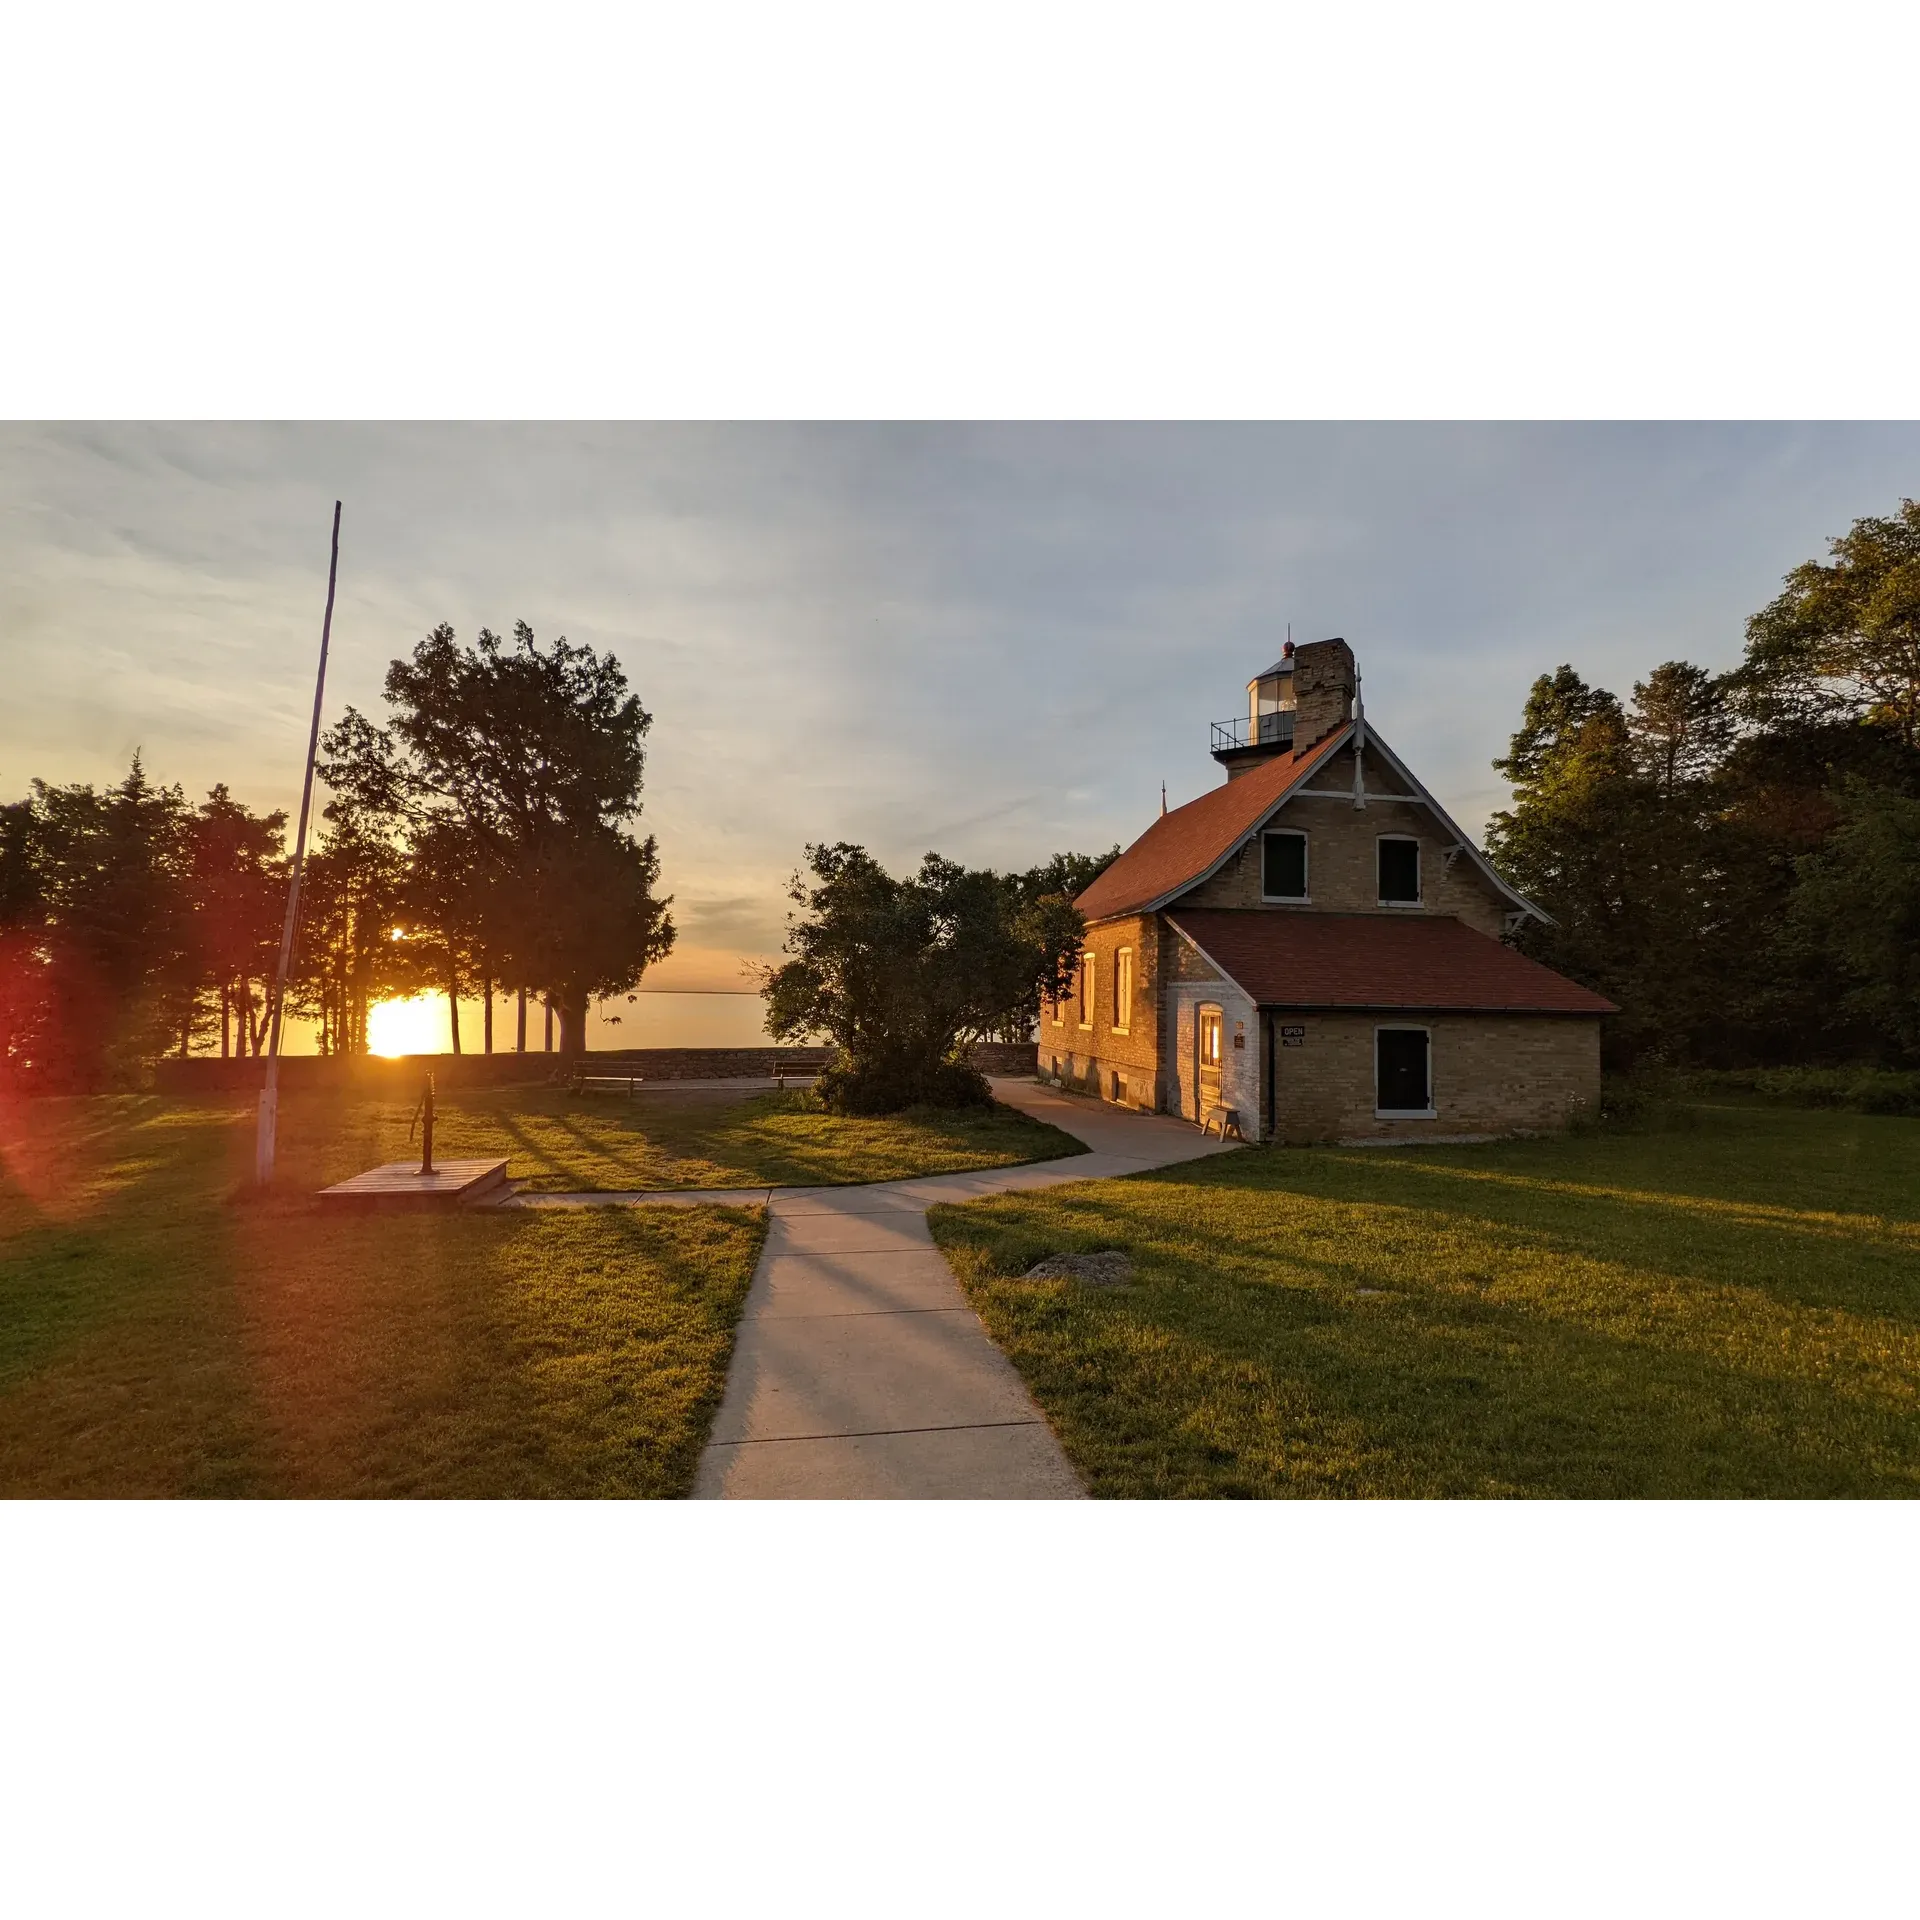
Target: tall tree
[97, 877]
[1858, 901]
[1728, 861]
[25, 1001]
[1680, 725]
[1612, 833]
[347, 956]
[235, 893]
[1842, 641]
[518, 768]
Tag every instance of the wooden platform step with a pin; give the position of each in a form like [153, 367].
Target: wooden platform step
[453, 1183]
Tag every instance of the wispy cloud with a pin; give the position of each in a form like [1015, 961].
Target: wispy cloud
[993, 640]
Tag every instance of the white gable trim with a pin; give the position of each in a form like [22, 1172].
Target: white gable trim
[1421, 797]
[1523, 907]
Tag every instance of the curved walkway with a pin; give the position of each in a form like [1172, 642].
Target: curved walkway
[860, 1371]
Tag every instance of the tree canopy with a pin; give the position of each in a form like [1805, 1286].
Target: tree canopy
[1841, 644]
[1732, 858]
[126, 918]
[481, 838]
[511, 772]
[901, 974]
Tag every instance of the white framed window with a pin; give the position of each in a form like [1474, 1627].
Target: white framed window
[1283, 865]
[1123, 990]
[1058, 1009]
[1403, 1073]
[1086, 990]
[1399, 859]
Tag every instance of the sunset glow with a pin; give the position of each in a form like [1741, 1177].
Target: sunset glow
[418, 1025]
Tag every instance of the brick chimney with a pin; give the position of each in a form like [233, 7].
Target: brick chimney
[1323, 676]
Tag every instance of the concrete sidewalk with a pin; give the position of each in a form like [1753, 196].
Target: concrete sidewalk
[861, 1372]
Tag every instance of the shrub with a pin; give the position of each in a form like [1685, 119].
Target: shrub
[891, 1083]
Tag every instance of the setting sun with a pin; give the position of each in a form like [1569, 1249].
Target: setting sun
[418, 1025]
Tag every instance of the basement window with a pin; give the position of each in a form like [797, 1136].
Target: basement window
[1399, 871]
[1283, 866]
[1402, 1073]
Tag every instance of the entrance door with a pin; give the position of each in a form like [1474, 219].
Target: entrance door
[1207, 1050]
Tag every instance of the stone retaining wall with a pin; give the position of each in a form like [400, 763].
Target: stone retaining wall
[451, 1070]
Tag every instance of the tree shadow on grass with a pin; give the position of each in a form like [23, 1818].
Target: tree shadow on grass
[516, 1355]
[1847, 1262]
[264, 1348]
[1234, 1368]
[117, 1345]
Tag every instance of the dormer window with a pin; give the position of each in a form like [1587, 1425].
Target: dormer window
[1399, 870]
[1283, 866]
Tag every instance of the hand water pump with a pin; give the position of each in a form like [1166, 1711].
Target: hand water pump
[424, 1113]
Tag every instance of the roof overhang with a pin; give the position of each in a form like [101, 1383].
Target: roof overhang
[1521, 907]
[1321, 750]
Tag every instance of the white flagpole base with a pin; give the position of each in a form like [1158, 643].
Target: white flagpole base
[263, 1141]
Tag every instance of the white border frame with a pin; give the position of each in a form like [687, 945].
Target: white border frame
[1431, 1111]
[1089, 995]
[1125, 953]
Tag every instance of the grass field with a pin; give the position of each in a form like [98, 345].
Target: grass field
[159, 1336]
[559, 1141]
[1725, 1304]
[163, 1330]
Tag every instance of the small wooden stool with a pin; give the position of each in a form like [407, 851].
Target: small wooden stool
[1224, 1117]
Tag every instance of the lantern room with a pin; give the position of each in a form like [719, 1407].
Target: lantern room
[1268, 726]
[1270, 703]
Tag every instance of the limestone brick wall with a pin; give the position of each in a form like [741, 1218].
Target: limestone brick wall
[1343, 874]
[1102, 1058]
[1492, 1073]
[1239, 1063]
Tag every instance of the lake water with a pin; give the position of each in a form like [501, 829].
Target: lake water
[650, 1019]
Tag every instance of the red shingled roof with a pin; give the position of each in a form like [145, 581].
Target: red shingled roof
[1307, 959]
[1182, 846]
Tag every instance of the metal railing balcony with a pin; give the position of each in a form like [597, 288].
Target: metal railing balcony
[1275, 730]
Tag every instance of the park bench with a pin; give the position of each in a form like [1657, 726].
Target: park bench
[625, 1083]
[632, 1084]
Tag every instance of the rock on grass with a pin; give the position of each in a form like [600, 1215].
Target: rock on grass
[1110, 1268]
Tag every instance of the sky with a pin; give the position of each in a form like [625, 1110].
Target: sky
[993, 641]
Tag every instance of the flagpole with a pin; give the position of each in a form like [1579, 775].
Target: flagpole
[263, 1141]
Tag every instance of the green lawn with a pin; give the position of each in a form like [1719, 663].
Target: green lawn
[559, 1141]
[1725, 1305]
[163, 1330]
[159, 1335]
